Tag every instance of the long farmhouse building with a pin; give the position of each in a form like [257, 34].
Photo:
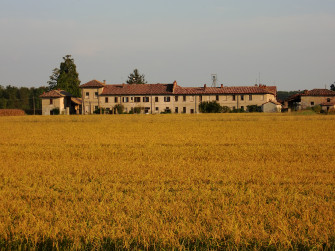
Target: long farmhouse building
[157, 98]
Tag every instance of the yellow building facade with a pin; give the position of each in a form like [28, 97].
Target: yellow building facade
[157, 98]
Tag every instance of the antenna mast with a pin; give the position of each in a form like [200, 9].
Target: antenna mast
[214, 79]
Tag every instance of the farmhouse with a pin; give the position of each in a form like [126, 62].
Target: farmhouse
[60, 102]
[323, 97]
[157, 98]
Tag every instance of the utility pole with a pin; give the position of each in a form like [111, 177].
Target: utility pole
[34, 103]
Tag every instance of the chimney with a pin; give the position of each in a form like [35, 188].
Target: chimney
[123, 85]
[174, 86]
[104, 82]
[221, 85]
[205, 86]
[305, 91]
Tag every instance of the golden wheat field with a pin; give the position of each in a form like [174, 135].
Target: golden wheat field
[220, 181]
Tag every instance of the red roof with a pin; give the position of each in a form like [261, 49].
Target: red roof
[77, 101]
[93, 84]
[55, 94]
[226, 90]
[318, 92]
[168, 89]
[137, 89]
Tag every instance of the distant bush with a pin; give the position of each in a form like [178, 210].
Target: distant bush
[316, 108]
[166, 111]
[254, 108]
[212, 107]
[54, 111]
[12, 112]
[100, 110]
[240, 110]
[136, 110]
[225, 109]
[119, 108]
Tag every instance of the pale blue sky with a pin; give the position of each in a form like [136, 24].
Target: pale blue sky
[290, 42]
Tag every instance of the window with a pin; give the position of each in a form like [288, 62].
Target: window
[157, 109]
[328, 99]
[234, 97]
[250, 97]
[145, 99]
[106, 99]
[242, 108]
[125, 99]
[176, 109]
[51, 101]
[87, 94]
[242, 97]
[96, 95]
[217, 98]
[146, 109]
[184, 109]
[137, 99]
[184, 98]
[312, 103]
[156, 99]
[176, 98]
[115, 100]
[192, 110]
[166, 99]
[200, 98]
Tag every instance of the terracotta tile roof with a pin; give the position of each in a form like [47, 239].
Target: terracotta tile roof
[169, 89]
[318, 92]
[77, 101]
[225, 90]
[137, 89]
[55, 94]
[92, 84]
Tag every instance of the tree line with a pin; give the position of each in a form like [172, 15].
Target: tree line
[27, 99]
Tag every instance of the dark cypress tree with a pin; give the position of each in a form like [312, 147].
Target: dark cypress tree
[66, 77]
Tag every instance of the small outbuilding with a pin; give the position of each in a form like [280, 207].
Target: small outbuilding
[271, 106]
[60, 102]
[328, 106]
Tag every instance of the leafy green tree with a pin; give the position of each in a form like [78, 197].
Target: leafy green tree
[53, 79]
[332, 87]
[3, 100]
[136, 78]
[210, 107]
[66, 77]
[254, 108]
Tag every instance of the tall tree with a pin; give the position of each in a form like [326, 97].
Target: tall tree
[53, 79]
[136, 78]
[332, 87]
[66, 77]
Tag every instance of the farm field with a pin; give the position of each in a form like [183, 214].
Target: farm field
[233, 181]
